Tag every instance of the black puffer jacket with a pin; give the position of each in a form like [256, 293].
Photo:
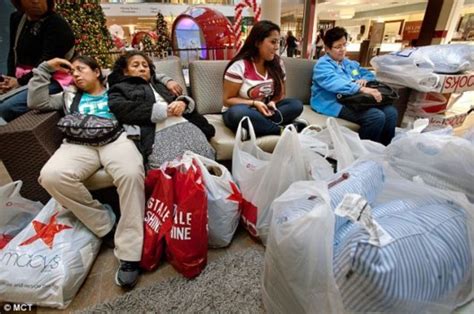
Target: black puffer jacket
[131, 100]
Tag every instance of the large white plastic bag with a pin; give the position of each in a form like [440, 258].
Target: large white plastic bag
[15, 211]
[442, 161]
[365, 178]
[298, 272]
[408, 68]
[223, 201]
[262, 177]
[47, 262]
[452, 58]
[339, 143]
[426, 265]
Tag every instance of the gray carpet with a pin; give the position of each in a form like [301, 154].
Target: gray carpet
[229, 284]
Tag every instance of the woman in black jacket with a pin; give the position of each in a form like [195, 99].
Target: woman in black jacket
[141, 102]
[37, 34]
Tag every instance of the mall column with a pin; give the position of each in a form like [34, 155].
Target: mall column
[440, 21]
[271, 10]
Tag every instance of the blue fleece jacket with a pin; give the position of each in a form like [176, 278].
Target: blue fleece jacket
[331, 78]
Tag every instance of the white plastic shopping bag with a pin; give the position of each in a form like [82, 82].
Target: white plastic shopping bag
[15, 211]
[443, 161]
[409, 251]
[262, 177]
[47, 262]
[339, 143]
[223, 200]
[298, 273]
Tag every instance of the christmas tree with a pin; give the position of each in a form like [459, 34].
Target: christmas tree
[163, 43]
[87, 20]
[148, 45]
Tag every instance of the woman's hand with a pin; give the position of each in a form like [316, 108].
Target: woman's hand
[174, 88]
[361, 82]
[262, 108]
[373, 92]
[61, 65]
[8, 84]
[272, 106]
[176, 108]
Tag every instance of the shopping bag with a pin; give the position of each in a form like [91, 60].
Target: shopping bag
[411, 251]
[262, 177]
[443, 161]
[186, 241]
[298, 271]
[16, 212]
[159, 211]
[47, 262]
[223, 200]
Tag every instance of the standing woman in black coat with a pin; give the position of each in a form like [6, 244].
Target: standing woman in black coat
[37, 34]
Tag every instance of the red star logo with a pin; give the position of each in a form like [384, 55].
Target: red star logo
[236, 196]
[46, 232]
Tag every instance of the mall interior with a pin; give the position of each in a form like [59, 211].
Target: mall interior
[375, 28]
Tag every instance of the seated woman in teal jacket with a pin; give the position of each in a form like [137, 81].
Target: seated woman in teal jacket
[335, 74]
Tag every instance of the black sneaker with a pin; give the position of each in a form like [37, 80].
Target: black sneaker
[127, 274]
[300, 124]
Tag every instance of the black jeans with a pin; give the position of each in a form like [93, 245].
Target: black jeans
[376, 124]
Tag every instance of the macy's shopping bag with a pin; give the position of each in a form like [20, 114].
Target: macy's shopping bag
[47, 262]
[15, 211]
[158, 216]
[262, 177]
[186, 241]
[223, 201]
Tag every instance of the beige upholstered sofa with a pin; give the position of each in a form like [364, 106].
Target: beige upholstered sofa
[205, 87]
[205, 78]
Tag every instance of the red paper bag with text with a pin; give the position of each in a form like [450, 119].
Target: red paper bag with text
[158, 216]
[186, 242]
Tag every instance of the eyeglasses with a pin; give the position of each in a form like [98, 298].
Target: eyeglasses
[340, 47]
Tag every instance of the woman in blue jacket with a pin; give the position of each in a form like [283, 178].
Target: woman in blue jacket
[335, 74]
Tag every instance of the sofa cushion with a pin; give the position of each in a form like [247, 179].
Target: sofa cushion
[223, 141]
[99, 180]
[299, 73]
[316, 118]
[206, 79]
[172, 68]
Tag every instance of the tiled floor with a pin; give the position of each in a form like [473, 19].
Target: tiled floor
[100, 284]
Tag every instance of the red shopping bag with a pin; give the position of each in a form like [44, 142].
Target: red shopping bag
[158, 216]
[186, 242]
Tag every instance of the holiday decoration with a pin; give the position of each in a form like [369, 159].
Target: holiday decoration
[203, 33]
[257, 11]
[163, 43]
[87, 21]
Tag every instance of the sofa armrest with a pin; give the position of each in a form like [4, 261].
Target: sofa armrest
[26, 144]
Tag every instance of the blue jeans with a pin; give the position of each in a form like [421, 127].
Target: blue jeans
[13, 107]
[376, 124]
[290, 109]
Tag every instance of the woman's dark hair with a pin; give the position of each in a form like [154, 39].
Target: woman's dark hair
[17, 5]
[122, 62]
[249, 51]
[334, 34]
[91, 63]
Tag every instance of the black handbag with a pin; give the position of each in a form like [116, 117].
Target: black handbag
[85, 129]
[361, 101]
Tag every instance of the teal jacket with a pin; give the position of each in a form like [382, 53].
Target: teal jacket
[331, 78]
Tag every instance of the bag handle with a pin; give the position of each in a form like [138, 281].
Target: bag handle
[342, 150]
[11, 189]
[238, 133]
